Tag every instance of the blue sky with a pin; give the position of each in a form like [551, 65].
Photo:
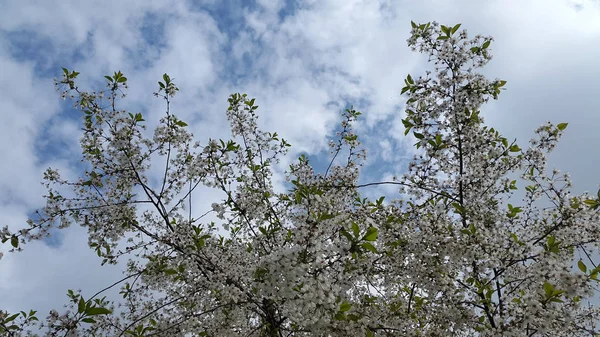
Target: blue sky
[304, 61]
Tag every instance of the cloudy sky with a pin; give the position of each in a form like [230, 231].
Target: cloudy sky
[304, 61]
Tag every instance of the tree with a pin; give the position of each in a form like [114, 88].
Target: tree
[454, 255]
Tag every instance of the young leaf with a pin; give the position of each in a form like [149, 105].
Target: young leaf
[371, 234]
[515, 148]
[346, 234]
[592, 203]
[81, 305]
[10, 318]
[582, 266]
[355, 229]
[455, 28]
[97, 311]
[548, 289]
[369, 246]
[345, 306]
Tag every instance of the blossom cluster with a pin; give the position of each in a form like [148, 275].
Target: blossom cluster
[455, 255]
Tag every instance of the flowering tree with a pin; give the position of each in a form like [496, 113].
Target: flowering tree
[455, 255]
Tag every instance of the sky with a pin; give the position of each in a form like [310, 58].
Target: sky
[304, 61]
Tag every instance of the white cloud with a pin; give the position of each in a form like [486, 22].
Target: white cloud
[27, 103]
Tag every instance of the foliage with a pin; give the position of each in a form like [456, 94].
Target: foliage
[450, 257]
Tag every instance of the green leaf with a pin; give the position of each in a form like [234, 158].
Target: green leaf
[369, 246]
[10, 318]
[66, 71]
[486, 44]
[81, 305]
[14, 241]
[108, 78]
[325, 216]
[472, 228]
[410, 80]
[350, 137]
[514, 237]
[445, 30]
[97, 311]
[413, 24]
[562, 126]
[458, 208]
[407, 123]
[346, 234]
[122, 79]
[582, 266]
[355, 229]
[371, 234]
[89, 320]
[455, 28]
[181, 123]
[592, 203]
[548, 289]
[514, 148]
[345, 306]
